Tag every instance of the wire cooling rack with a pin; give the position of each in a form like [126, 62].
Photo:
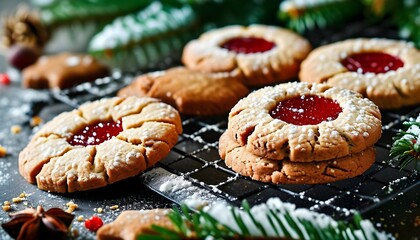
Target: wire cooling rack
[195, 159]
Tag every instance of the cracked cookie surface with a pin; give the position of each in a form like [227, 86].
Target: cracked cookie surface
[357, 127]
[191, 92]
[63, 71]
[391, 88]
[285, 172]
[149, 129]
[279, 63]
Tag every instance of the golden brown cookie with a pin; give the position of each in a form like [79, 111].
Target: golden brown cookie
[130, 224]
[385, 71]
[285, 171]
[262, 55]
[63, 71]
[191, 92]
[100, 143]
[301, 133]
[305, 122]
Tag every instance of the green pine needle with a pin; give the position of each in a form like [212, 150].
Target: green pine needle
[247, 209]
[405, 149]
[318, 15]
[201, 225]
[280, 223]
[240, 222]
[146, 38]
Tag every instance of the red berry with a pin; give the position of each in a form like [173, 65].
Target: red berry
[4, 79]
[94, 223]
[20, 56]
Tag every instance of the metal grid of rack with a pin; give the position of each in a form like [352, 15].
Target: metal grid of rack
[195, 157]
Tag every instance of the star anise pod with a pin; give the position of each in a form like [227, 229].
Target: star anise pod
[39, 224]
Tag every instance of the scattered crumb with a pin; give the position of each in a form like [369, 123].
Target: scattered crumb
[413, 205]
[75, 232]
[35, 121]
[417, 221]
[6, 208]
[3, 151]
[23, 195]
[80, 218]
[15, 129]
[99, 210]
[114, 207]
[71, 206]
[17, 199]
[6, 203]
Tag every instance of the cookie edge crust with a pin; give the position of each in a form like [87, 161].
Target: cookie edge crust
[266, 170]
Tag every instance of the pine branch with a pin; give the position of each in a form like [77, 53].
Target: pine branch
[301, 16]
[145, 38]
[60, 12]
[406, 148]
[273, 219]
[406, 18]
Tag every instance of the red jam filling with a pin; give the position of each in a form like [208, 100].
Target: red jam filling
[372, 62]
[248, 45]
[306, 110]
[96, 133]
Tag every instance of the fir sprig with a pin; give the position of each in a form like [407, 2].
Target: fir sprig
[301, 16]
[271, 220]
[407, 20]
[406, 149]
[145, 38]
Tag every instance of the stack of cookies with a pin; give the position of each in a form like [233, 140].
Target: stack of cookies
[301, 133]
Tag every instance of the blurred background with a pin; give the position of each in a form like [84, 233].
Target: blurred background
[131, 35]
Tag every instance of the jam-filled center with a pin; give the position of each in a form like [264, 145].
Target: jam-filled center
[248, 45]
[306, 110]
[372, 62]
[96, 133]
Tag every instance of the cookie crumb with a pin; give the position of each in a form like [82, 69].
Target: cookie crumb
[99, 210]
[35, 121]
[80, 218]
[75, 232]
[17, 200]
[6, 208]
[3, 151]
[417, 221]
[23, 195]
[413, 205]
[71, 207]
[15, 129]
[114, 207]
[6, 203]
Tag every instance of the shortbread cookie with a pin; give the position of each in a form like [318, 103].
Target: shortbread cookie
[191, 92]
[100, 143]
[63, 71]
[262, 54]
[305, 122]
[130, 224]
[385, 71]
[285, 171]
